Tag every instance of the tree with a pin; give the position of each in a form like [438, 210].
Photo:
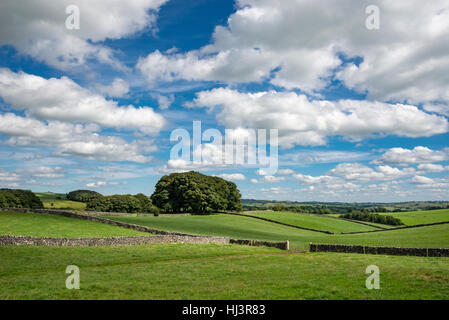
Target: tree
[15, 198]
[83, 195]
[194, 192]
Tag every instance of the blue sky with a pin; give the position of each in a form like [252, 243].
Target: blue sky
[361, 112]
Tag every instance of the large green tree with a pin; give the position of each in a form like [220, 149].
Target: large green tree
[194, 192]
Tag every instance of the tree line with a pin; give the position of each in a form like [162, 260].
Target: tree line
[14, 198]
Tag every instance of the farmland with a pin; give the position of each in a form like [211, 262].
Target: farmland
[46, 225]
[219, 271]
[250, 228]
[182, 271]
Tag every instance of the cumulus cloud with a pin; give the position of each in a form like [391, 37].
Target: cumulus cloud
[302, 121]
[38, 29]
[232, 176]
[164, 101]
[68, 139]
[118, 88]
[64, 100]
[360, 172]
[303, 44]
[419, 154]
[99, 184]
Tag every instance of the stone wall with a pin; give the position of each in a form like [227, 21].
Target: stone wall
[280, 245]
[420, 252]
[38, 241]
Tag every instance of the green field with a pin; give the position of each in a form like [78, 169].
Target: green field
[46, 225]
[58, 201]
[64, 204]
[183, 271]
[422, 217]
[250, 228]
[318, 222]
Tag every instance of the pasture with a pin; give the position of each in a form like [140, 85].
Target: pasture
[47, 225]
[217, 271]
[186, 271]
[422, 217]
[250, 228]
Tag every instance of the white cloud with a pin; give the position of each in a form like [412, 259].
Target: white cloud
[64, 100]
[68, 139]
[431, 167]
[44, 172]
[8, 176]
[310, 180]
[359, 172]
[308, 122]
[299, 44]
[99, 184]
[419, 154]
[164, 101]
[272, 179]
[232, 176]
[118, 88]
[37, 28]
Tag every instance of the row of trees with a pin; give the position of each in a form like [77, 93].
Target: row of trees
[303, 209]
[193, 192]
[122, 203]
[12, 198]
[372, 217]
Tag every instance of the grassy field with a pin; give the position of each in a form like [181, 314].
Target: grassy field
[46, 225]
[64, 204]
[318, 222]
[422, 217]
[250, 228]
[183, 271]
[58, 201]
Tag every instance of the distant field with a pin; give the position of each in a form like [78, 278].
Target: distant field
[58, 201]
[250, 228]
[185, 271]
[64, 204]
[318, 222]
[422, 217]
[46, 225]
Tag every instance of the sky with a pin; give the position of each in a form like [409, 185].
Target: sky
[93, 92]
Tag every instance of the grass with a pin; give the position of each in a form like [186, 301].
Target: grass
[185, 271]
[250, 228]
[46, 225]
[422, 217]
[318, 222]
[64, 204]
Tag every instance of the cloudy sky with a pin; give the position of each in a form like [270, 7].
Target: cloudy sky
[361, 105]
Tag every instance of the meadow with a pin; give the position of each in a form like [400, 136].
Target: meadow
[186, 271]
[47, 225]
[250, 228]
[218, 271]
